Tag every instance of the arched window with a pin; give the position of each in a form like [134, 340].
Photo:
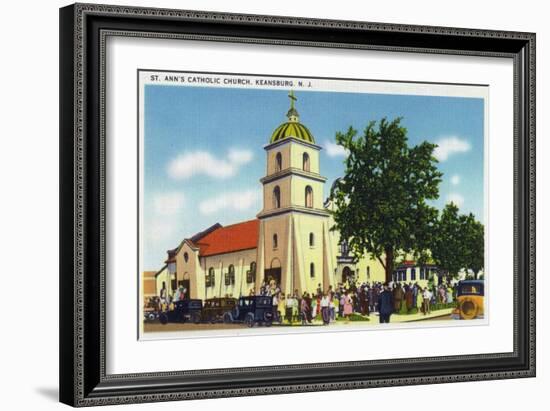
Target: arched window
[276, 197]
[309, 197]
[230, 275]
[275, 241]
[186, 257]
[311, 239]
[251, 274]
[305, 162]
[278, 162]
[312, 270]
[210, 281]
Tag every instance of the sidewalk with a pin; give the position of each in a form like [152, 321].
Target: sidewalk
[403, 318]
[398, 318]
[372, 320]
[395, 318]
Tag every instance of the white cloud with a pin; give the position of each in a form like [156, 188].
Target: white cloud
[455, 198]
[231, 201]
[160, 231]
[168, 204]
[202, 162]
[240, 156]
[448, 146]
[455, 180]
[335, 150]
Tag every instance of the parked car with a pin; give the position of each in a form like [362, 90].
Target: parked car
[150, 315]
[151, 309]
[251, 310]
[470, 300]
[214, 308]
[183, 311]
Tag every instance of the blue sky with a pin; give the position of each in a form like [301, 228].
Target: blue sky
[204, 156]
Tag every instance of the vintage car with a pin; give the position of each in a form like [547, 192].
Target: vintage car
[251, 310]
[470, 300]
[214, 308]
[183, 311]
[150, 314]
[151, 310]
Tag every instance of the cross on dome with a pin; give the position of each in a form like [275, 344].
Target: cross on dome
[292, 128]
[292, 113]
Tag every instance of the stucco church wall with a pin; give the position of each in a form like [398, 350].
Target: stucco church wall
[298, 192]
[297, 151]
[241, 260]
[278, 225]
[189, 269]
[306, 224]
[284, 149]
[285, 190]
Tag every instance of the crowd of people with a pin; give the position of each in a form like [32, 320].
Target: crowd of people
[341, 302]
[351, 298]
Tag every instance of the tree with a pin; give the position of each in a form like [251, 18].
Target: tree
[474, 240]
[458, 242]
[448, 245]
[380, 203]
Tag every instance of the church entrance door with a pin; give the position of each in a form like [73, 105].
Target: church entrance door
[187, 285]
[273, 274]
[347, 274]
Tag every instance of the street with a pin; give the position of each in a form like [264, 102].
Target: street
[156, 326]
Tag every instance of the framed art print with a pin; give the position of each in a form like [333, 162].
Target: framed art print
[260, 204]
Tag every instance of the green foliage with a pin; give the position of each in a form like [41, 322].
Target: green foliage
[380, 203]
[403, 309]
[458, 242]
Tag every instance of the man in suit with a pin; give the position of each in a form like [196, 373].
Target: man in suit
[385, 304]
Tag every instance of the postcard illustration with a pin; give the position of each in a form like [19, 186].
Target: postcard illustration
[284, 204]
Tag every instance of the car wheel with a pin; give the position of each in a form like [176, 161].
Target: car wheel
[468, 310]
[163, 318]
[196, 318]
[249, 320]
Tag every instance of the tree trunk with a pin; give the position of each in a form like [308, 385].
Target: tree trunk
[389, 264]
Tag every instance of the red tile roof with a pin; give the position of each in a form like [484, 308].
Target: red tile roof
[231, 238]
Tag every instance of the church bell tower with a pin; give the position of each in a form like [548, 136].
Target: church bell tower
[294, 247]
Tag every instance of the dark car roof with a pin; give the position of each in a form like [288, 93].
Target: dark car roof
[190, 301]
[478, 285]
[472, 282]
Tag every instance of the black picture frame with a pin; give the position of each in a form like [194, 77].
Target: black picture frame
[83, 29]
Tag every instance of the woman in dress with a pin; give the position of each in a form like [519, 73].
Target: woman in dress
[281, 307]
[449, 295]
[348, 305]
[313, 308]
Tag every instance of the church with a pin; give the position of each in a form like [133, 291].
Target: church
[289, 241]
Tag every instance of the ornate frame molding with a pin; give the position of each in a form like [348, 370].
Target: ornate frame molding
[82, 295]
